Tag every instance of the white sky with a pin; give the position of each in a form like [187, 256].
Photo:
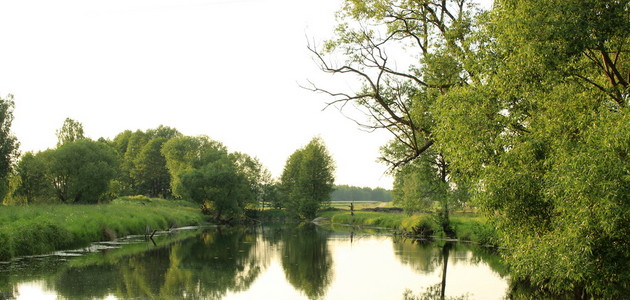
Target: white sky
[229, 69]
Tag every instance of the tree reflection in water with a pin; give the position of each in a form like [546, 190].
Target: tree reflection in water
[223, 261]
[306, 260]
[220, 260]
[427, 256]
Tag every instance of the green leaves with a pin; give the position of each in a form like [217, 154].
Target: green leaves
[8, 143]
[307, 179]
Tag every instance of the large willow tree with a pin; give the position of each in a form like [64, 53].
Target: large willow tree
[547, 139]
[527, 104]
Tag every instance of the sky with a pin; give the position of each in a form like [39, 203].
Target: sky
[229, 69]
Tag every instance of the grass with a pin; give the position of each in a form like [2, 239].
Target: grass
[467, 228]
[30, 230]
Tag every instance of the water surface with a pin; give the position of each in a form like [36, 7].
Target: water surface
[264, 262]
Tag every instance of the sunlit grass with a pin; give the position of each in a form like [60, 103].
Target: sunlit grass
[42, 229]
[467, 228]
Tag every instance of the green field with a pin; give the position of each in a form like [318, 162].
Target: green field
[29, 230]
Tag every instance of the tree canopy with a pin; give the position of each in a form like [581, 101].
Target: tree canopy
[70, 131]
[8, 143]
[307, 179]
[523, 107]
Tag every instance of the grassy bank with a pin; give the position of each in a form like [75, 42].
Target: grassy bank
[467, 228]
[42, 229]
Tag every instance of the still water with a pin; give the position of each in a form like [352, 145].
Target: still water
[264, 262]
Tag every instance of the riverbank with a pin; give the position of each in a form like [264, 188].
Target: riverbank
[31, 230]
[467, 227]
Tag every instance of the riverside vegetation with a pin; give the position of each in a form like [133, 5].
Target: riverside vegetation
[465, 227]
[520, 111]
[47, 228]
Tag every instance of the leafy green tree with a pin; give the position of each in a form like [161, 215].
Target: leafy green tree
[129, 146]
[150, 172]
[256, 174]
[435, 44]
[8, 143]
[544, 139]
[219, 187]
[80, 171]
[33, 186]
[186, 153]
[70, 131]
[307, 179]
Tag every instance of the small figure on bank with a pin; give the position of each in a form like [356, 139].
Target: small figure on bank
[351, 208]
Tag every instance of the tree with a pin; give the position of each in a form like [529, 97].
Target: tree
[526, 104]
[80, 171]
[544, 140]
[440, 45]
[31, 169]
[70, 131]
[307, 179]
[186, 153]
[129, 146]
[8, 143]
[219, 187]
[150, 172]
[257, 177]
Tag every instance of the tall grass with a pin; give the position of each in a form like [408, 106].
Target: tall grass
[42, 229]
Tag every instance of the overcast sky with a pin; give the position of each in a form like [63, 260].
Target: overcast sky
[229, 69]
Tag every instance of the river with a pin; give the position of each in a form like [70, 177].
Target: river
[263, 262]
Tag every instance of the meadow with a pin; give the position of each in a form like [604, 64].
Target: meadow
[30, 230]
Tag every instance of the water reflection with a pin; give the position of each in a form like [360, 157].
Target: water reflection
[431, 257]
[306, 260]
[303, 261]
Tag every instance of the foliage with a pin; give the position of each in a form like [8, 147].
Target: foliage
[307, 179]
[142, 164]
[45, 228]
[545, 141]
[218, 185]
[185, 153]
[224, 183]
[354, 193]
[150, 172]
[34, 186]
[70, 131]
[436, 50]
[416, 187]
[8, 143]
[526, 104]
[80, 171]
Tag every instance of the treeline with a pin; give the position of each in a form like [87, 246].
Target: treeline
[163, 163]
[160, 162]
[354, 193]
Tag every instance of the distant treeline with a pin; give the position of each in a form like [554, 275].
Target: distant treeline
[354, 193]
